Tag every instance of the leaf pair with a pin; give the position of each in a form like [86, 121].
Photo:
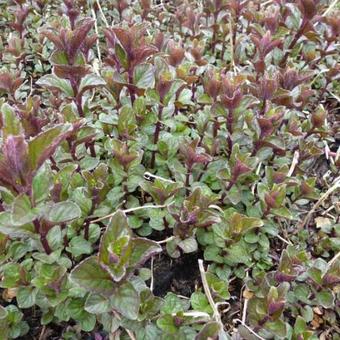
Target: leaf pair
[119, 255]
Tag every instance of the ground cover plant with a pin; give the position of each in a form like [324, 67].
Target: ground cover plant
[169, 169]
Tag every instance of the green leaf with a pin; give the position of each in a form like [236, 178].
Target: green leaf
[144, 76]
[125, 300]
[90, 275]
[143, 249]
[200, 302]
[41, 185]
[79, 246]
[97, 304]
[26, 297]
[11, 124]
[3, 313]
[59, 58]
[90, 81]
[300, 325]
[121, 55]
[174, 304]
[189, 245]
[251, 237]
[278, 327]
[166, 324]
[149, 305]
[209, 331]
[282, 212]
[237, 253]
[115, 248]
[22, 211]
[62, 212]
[54, 237]
[87, 322]
[54, 82]
[240, 223]
[325, 298]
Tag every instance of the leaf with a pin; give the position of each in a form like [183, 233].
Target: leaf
[166, 324]
[325, 298]
[43, 146]
[300, 325]
[90, 81]
[59, 58]
[26, 297]
[237, 253]
[189, 245]
[282, 212]
[115, 248]
[3, 313]
[22, 211]
[11, 124]
[97, 304]
[125, 300]
[173, 304]
[149, 305]
[41, 185]
[79, 246]
[122, 55]
[209, 331]
[144, 76]
[142, 250]
[90, 275]
[278, 327]
[15, 150]
[8, 228]
[87, 322]
[200, 302]
[62, 212]
[240, 223]
[54, 82]
[78, 37]
[54, 237]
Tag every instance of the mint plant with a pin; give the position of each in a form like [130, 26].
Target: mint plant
[169, 169]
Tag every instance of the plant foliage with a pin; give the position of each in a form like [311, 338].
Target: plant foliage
[137, 137]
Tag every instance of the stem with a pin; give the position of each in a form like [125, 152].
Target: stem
[79, 106]
[77, 99]
[132, 92]
[156, 136]
[203, 171]
[87, 230]
[165, 222]
[333, 188]
[257, 147]
[206, 288]
[43, 238]
[126, 211]
[299, 33]
[230, 121]
[213, 42]
[92, 149]
[261, 323]
[45, 244]
[187, 180]
[102, 14]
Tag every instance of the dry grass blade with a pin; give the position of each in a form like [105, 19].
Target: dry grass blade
[332, 189]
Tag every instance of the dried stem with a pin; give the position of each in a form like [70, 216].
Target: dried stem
[126, 211]
[333, 188]
[102, 14]
[206, 288]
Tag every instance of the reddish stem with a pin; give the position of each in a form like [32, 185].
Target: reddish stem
[156, 136]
